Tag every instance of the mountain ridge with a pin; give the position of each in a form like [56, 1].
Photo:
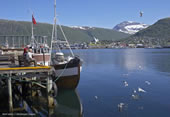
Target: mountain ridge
[12, 27]
[158, 32]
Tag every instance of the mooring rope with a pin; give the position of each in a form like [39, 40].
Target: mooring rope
[61, 73]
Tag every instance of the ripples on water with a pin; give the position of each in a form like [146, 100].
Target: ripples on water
[118, 83]
[106, 73]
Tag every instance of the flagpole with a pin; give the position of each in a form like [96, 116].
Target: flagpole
[32, 37]
[32, 31]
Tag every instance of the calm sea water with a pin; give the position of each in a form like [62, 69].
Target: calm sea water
[113, 76]
[137, 79]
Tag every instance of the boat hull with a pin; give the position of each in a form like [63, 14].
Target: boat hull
[40, 58]
[67, 75]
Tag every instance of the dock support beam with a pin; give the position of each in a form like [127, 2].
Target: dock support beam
[50, 100]
[47, 86]
[10, 94]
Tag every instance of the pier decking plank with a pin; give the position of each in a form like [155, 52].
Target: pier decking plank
[16, 69]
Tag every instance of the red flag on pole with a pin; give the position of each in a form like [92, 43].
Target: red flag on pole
[33, 20]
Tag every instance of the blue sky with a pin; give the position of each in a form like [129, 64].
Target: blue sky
[96, 13]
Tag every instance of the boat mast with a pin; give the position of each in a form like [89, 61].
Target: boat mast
[54, 31]
[55, 20]
[54, 34]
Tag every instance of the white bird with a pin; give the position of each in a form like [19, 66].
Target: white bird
[95, 97]
[147, 82]
[140, 67]
[135, 96]
[134, 91]
[125, 83]
[141, 90]
[120, 106]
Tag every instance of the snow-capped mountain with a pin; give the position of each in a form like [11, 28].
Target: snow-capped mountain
[130, 27]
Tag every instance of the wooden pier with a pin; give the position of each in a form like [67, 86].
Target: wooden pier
[23, 81]
[30, 79]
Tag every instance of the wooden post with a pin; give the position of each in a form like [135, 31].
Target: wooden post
[50, 100]
[48, 81]
[10, 94]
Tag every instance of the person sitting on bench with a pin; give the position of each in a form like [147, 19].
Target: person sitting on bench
[1, 52]
[29, 57]
[25, 51]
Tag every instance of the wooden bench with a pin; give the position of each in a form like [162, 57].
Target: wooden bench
[21, 60]
[24, 62]
[7, 59]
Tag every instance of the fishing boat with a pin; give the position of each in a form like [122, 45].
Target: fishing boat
[66, 70]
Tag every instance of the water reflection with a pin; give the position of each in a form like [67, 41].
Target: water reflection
[68, 104]
[128, 59]
[132, 59]
[142, 59]
[125, 82]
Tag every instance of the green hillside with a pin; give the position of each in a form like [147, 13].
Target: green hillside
[8, 27]
[158, 32]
